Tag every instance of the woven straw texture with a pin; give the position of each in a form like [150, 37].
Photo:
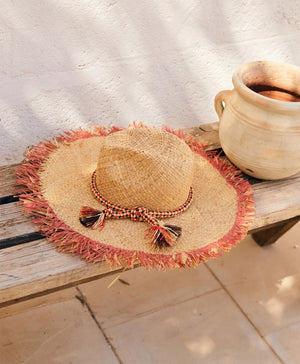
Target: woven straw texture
[57, 175]
[65, 183]
[144, 167]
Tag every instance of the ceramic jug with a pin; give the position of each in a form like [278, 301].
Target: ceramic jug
[260, 119]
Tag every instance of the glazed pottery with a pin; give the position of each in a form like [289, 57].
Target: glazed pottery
[260, 119]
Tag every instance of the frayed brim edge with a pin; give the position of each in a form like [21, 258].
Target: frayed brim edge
[68, 240]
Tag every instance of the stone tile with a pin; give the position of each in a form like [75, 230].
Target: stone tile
[248, 261]
[286, 343]
[208, 329]
[62, 332]
[264, 281]
[143, 292]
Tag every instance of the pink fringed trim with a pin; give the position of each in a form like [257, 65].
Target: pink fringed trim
[67, 240]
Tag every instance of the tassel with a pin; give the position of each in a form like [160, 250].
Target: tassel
[92, 218]
[164, 236]
[174, 230]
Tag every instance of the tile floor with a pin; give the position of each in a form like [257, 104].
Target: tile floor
[242, 308]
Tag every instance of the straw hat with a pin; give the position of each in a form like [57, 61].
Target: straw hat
[135, 196]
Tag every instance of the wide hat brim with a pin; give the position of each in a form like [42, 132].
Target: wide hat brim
[54, 184]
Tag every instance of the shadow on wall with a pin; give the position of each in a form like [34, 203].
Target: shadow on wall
[70, 64]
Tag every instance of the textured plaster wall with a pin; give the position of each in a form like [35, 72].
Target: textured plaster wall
[67, 63]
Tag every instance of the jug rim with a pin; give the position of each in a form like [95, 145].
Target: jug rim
[240, 75]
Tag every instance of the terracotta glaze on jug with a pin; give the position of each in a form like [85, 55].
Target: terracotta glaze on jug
[260, 119]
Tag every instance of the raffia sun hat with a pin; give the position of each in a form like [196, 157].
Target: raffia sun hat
[135, 196]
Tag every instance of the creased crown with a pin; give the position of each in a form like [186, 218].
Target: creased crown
[145, 167]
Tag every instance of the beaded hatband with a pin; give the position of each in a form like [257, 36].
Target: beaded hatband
[162, 235]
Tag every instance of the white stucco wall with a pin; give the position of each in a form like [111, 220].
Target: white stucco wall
[71, 63]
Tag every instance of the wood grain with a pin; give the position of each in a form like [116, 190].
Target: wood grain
[206, 134]
[7, 180]
[13, 222]
[37, 267]
[276, 201]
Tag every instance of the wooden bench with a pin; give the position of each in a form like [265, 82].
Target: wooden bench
[29, 266]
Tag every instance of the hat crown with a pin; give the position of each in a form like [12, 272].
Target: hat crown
[145, 167]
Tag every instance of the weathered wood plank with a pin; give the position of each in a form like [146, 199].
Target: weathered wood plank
[13, 222]
[276, 201]
[37, 267]
[206, 134]
[272, 234]
[7, 180]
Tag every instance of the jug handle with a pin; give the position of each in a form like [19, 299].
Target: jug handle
[221, 97]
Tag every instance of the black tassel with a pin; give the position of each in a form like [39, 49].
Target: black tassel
[92, 218]
[174, 230]
[160, 241]
[166, 235]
